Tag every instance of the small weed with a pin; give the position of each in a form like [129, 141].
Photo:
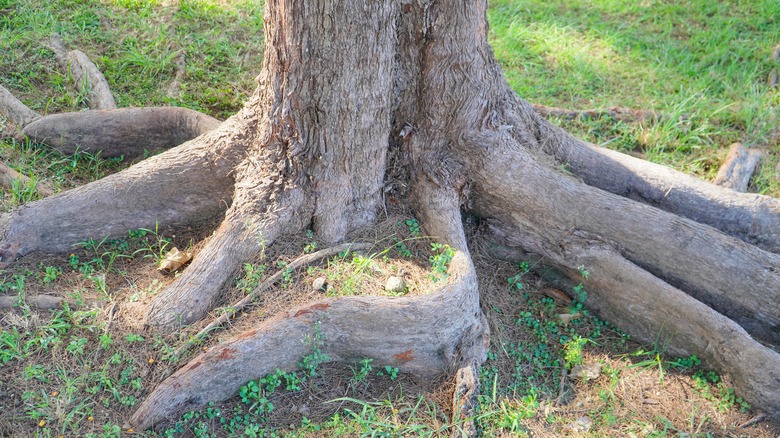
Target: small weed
[515, 282]
[311, 245]
[153, 243]
[364, 371]
[440, 262]
[287, 273]
[132, 337]
[253, 275]
[50, 274]
[389, 371]
[413, 226]
[403, 250]
[573, 351]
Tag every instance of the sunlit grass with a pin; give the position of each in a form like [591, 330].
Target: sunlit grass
[702, 63]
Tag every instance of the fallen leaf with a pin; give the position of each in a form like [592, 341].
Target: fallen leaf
[566, 318]
[174, 260]
[586, 371]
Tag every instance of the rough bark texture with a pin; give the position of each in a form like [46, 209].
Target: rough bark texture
[188, 184]
[358, 99]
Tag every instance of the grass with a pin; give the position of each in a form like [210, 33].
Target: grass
[80, 370]
[704, 64]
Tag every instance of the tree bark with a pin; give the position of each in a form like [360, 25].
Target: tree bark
[738, 167]
[355, 99]
[127, 132]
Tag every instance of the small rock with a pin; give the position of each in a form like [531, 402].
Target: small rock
[395, 284]
[320, 284]
[582, 424]
[586, 371]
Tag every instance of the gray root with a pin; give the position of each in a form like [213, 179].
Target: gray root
[196, 291]
[682, 325]
[174, 88]
[185, 185]
[705, 263]
[424, 335]
[124, 132]
[747, 216]
[14, 110]
[738, 167]
[43, 302]
[85, 74]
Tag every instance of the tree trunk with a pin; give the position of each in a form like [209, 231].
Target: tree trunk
[355, 97]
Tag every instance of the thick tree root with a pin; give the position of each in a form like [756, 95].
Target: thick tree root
[127, 132]
[653, 311]
[749, 217]
[622, 243]
[423, 335]
[86, 76]
[300, 262]
[738, 167]
[14, 110]
[196, 291]
[708, 265]
[184, 185]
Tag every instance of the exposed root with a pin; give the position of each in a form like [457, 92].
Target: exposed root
[174, 88]
[300, 262]
[464, 400]
[43, 302]
[13, 109]
[736, 279]
[10, 178]
[423, 335]
[631, 298]
[774, 76]
[86, 76]
[738, 167]
[238, 239]
[125, 132]
[615, 112]
[749, 217]
[184, 185]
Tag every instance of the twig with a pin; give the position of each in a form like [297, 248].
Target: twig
[561, 387]
[110, 317]
[301, 261]
[755, 420]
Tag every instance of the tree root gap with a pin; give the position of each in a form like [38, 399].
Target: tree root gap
[302, 261]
